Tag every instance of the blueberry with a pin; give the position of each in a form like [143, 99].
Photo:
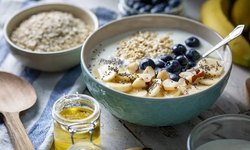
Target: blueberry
[166, 57]
[146, 8]
[130, 3]
[146, 1]
[174, 77]
[174, 3]
[192, 54]
[179, 49]
[191, 64]
[154, 2]
[192, 42]
[158, 8]
[183, 69]
[146, 62]
[182, 60]
[138, 5]
[173, 66]
[160, 64]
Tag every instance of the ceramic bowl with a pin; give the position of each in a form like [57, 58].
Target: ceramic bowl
[48, 61]
[154, 111]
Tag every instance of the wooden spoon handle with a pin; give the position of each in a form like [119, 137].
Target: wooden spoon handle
[17, 132]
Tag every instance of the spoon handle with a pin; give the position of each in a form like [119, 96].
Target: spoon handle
[235, 33]
[18, 135]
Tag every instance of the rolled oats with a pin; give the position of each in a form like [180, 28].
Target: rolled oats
[50, 31]
[143, 45]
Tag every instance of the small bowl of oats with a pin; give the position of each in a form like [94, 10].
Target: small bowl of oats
[49, 36]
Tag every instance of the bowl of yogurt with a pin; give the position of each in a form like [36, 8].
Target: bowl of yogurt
[148, 70]
[223, 132]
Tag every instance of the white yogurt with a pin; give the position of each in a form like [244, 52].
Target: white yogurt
[226, 144]
[106, 48]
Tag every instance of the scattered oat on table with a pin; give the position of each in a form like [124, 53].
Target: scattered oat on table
[143, 45]
[50, 32]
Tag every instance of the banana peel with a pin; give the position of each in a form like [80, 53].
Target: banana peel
[214, 15]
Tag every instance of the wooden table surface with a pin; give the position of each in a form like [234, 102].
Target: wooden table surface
[119, 135]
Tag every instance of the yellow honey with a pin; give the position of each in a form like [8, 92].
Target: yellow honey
[83, 120]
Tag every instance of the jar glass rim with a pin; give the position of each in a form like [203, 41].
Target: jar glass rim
[213, 119]
[96, 105]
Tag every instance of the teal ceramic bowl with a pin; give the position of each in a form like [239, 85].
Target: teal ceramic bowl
[154, 111]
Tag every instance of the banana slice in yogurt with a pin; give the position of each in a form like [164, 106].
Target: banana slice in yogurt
[211, 67]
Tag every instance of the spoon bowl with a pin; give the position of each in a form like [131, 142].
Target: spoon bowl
[16, 95]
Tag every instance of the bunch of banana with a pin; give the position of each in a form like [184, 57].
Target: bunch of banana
[216, 15]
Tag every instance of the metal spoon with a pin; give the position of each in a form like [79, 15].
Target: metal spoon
[234, 34]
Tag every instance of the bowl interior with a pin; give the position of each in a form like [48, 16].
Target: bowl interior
[24, 14]
[156, 21]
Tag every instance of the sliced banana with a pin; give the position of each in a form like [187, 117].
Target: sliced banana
[183, 82]
[146, 77]
[107, 72]
[188, 76]
[139, 92]
[208, 81]
[139, 83]
[170, 85]
[133, 67]
[122, 87]
[155, 87]
[194, 89]
[174, 93]
[163, 75]
[126, 77]
[149, 70]
[211, 67]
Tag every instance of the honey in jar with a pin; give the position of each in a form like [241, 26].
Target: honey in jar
[76, 119]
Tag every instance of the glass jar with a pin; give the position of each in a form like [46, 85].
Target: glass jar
[85, 146]
[76, 118]
[223, 132]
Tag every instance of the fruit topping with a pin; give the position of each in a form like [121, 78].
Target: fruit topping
[192, 42]
[174, 3]
[174, 77]
[173, 66]
[138, 5]
[159, 64]
[182, 60]
[146, 62]
[179, 49]
[192, 54]
[158, 8]
[166, 58]
[146, 8]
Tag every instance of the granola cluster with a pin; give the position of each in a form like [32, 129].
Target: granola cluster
[143, 45]
[50, 31]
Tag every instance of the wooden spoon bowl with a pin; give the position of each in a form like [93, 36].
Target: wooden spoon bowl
[16, 95]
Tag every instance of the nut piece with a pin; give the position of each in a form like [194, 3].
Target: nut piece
[139, 83]
[170, 85]
[163, 75]
[149, 70]
[133, 67]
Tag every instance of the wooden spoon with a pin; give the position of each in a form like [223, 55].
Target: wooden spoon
[247, 91]
[16, 95]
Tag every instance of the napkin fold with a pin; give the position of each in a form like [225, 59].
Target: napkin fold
[49, 87]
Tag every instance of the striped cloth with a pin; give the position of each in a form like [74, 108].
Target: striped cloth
[49, 87]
